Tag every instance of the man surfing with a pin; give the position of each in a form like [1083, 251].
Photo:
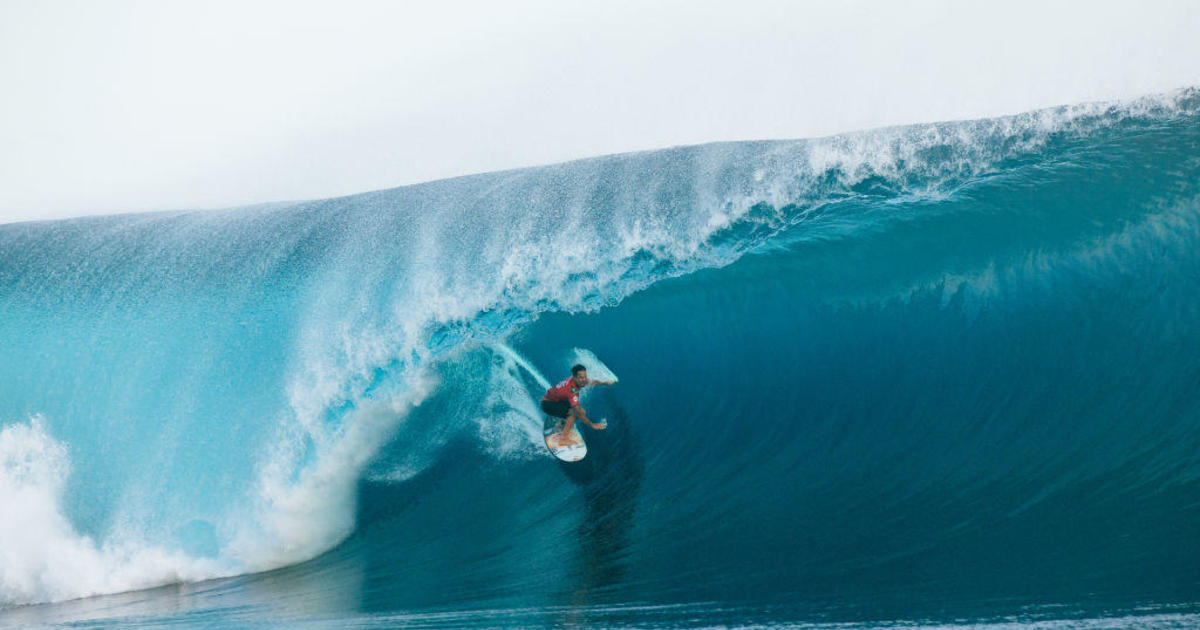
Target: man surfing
[562, 401]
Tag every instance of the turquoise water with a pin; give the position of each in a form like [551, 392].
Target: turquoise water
[925, 376]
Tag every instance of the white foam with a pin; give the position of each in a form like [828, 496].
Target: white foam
[42, 557]
[304, 505]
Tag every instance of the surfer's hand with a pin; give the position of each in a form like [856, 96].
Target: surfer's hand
[599, 426]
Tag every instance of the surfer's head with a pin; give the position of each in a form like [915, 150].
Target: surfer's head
[579, 373]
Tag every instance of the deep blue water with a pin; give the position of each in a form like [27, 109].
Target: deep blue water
[932, 375]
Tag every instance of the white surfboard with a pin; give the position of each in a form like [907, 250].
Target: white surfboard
[571, 449]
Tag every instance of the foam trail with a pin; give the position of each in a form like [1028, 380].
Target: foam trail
[516, 357]
[510, 421]
[595, 367]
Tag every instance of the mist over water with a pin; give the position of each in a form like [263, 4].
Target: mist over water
[921, 374]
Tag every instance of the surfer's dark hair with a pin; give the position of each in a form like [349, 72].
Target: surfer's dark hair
[577, 368]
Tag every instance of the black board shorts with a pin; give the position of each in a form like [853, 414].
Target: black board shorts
[556, 408]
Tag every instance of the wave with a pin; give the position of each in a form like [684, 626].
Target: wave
[928, 326]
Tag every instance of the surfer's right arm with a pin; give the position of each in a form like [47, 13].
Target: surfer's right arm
[587, 420]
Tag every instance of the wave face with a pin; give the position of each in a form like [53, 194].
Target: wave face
[901, 369]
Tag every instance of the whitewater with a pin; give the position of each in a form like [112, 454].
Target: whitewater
[932, 375]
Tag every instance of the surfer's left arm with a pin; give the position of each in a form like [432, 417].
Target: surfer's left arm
[595, 382]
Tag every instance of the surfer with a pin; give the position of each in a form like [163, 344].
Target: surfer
[562, 401]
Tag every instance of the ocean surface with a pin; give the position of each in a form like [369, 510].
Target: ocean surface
[930, 376]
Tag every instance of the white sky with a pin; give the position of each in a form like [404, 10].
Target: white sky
[124, 105]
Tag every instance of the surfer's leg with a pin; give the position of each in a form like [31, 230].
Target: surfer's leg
[556, 409]
[566, 432]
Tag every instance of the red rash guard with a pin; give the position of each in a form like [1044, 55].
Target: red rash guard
[565, 390]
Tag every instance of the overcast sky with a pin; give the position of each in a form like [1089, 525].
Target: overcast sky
[124, 106]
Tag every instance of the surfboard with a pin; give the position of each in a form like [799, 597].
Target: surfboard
[573, 450]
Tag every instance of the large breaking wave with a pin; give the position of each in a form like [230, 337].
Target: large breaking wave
[950, 355]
